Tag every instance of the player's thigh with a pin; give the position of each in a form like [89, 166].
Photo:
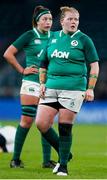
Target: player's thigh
[66, 116]
[30, 92]
[28, 99]
[45, 115]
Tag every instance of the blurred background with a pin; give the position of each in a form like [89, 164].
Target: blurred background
[16, 18]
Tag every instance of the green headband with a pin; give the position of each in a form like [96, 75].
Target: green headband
[42, 13]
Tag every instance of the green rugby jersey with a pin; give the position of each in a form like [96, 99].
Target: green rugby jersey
[32, 42]
[68, 55]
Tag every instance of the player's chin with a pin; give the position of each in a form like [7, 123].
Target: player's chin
[46, 29]
[73, 29]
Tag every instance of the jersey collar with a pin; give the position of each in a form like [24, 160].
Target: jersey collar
[39, 33]
[61, 33]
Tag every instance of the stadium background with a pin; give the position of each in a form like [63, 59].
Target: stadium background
[15, 19]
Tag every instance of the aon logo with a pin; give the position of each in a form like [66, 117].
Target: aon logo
[60, 54]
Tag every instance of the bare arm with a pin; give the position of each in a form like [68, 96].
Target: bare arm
[94, 71]
[9, 55]
[42, 75]
[42, 80]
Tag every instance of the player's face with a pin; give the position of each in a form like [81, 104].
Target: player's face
[45, 23]
[70, 22]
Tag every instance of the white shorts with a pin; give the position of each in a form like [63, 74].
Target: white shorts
[30, 88]
[71, 100]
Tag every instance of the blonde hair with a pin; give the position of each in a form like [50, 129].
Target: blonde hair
[65, 9]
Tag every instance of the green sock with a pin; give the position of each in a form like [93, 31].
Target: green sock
[53, 139]
[65, 141]
[64, 148]
[19, 141]
[46, 149]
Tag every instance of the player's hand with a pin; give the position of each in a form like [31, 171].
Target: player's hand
[31, 70]
[42, 91]
[89, 95]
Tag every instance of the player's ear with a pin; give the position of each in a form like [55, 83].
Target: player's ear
[61, 22]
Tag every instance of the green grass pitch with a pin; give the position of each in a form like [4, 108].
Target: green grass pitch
[89, 155]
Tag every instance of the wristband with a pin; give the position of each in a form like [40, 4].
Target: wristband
[90, 87]
[93, 76]
[42, 83]
[42, 71]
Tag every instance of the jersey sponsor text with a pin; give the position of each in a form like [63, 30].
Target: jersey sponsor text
[60, 54]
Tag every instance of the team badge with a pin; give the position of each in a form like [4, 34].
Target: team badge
[72, 103]
[74, 43]
[37, 41]
[39, 54]
[53, 40]
[31, 89]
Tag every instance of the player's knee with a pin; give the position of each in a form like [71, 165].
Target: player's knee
[43, 127]
[39, 125]
[26, 121]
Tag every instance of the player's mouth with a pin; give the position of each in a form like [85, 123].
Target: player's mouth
[73, 26]
[47, 27]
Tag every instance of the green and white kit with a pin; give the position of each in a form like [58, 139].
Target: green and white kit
[68, 56]
[66, 60]
[33, 43]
